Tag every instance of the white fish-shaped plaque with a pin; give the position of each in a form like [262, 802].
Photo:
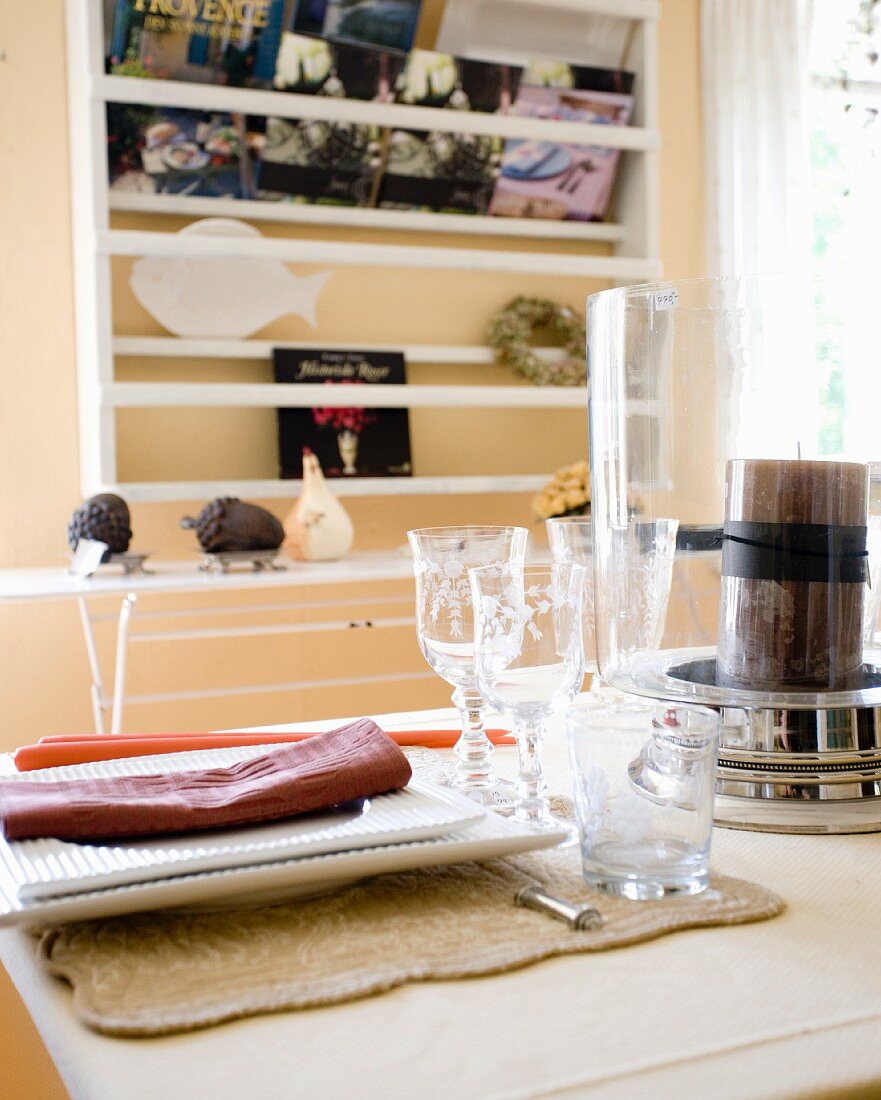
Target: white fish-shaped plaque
[223, 296]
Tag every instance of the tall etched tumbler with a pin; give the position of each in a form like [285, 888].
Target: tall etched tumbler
[442, 557]
[571, 539]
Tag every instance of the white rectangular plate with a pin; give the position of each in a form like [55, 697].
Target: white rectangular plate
[270, 883]
[49, 867]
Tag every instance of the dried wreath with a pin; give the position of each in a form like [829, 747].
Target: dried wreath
[512, 329]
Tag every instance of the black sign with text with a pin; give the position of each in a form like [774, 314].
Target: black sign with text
[349, 440]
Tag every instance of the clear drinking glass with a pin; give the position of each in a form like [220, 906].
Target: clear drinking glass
[442, 557]
[571, 539]
[529, 657]
[644, 791]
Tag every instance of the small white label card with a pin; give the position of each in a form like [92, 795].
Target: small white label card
[87, 557]
[666, 299]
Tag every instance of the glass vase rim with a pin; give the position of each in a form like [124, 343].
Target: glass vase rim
[636, 291]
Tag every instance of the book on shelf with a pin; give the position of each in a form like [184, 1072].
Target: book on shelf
[349, 441]
[204, 41]
[180, 151]
[390, 23]
[319, 161]
[557, 180]
[443, 170]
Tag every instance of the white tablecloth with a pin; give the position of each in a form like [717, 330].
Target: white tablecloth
[789, 1007]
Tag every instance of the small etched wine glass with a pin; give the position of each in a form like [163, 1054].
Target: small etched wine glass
[442, 557]
[529, 656]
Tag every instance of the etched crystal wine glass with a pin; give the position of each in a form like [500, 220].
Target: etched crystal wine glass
[442, 557]
[529, 656]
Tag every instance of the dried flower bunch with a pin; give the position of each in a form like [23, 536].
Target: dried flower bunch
[511, 332]
[566, 494]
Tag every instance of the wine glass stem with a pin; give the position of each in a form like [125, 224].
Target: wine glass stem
[474, 766]
[530, 787]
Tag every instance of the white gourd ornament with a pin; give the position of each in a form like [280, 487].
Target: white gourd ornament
[318, 527]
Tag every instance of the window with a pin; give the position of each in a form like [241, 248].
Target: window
[846, 199]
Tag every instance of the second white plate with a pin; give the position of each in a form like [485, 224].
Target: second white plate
[272, 883]
[50, 867]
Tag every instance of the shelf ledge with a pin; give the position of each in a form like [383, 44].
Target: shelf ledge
[149, 492]
[256, 101]
[191, 347]
[176, 395]
[357, 217]
[123, 242]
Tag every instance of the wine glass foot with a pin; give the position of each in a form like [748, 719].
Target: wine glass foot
[551, 823]
[563, 825]
[499, 797]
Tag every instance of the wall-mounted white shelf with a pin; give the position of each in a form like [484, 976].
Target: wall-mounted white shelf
[188, 347]
[629, 245]
[358, 217]
[139, 395]
[122, 242]
[620, 9]
[255, 101]
[273, 488]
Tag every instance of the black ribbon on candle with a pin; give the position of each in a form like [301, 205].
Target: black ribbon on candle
[795, 552]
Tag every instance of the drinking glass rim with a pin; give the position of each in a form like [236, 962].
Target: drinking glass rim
[529, 569]
[651, 706]
[471, 530]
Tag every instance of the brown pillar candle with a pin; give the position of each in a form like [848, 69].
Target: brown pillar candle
[793, 575]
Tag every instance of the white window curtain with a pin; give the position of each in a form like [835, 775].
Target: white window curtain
[755, 74]
[754, 59]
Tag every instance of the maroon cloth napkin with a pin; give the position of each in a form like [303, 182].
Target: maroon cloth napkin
[354, 761]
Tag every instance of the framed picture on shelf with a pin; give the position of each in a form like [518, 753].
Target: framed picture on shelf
[349, 441]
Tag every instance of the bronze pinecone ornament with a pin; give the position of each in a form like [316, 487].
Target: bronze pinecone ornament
[227, 524]
[104, 518]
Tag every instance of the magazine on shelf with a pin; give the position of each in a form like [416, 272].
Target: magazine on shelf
[204, 41]
[177, 151]
[555, 180]
[586, 78]
[390, 23]
[441, 170]
[313, 66]
[318, 161]
[350, 441]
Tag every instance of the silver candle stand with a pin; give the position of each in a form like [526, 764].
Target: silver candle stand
[787, 768]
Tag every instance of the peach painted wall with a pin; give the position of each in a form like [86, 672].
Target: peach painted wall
[41, 655]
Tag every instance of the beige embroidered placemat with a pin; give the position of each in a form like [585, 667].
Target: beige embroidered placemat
[155, 973]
